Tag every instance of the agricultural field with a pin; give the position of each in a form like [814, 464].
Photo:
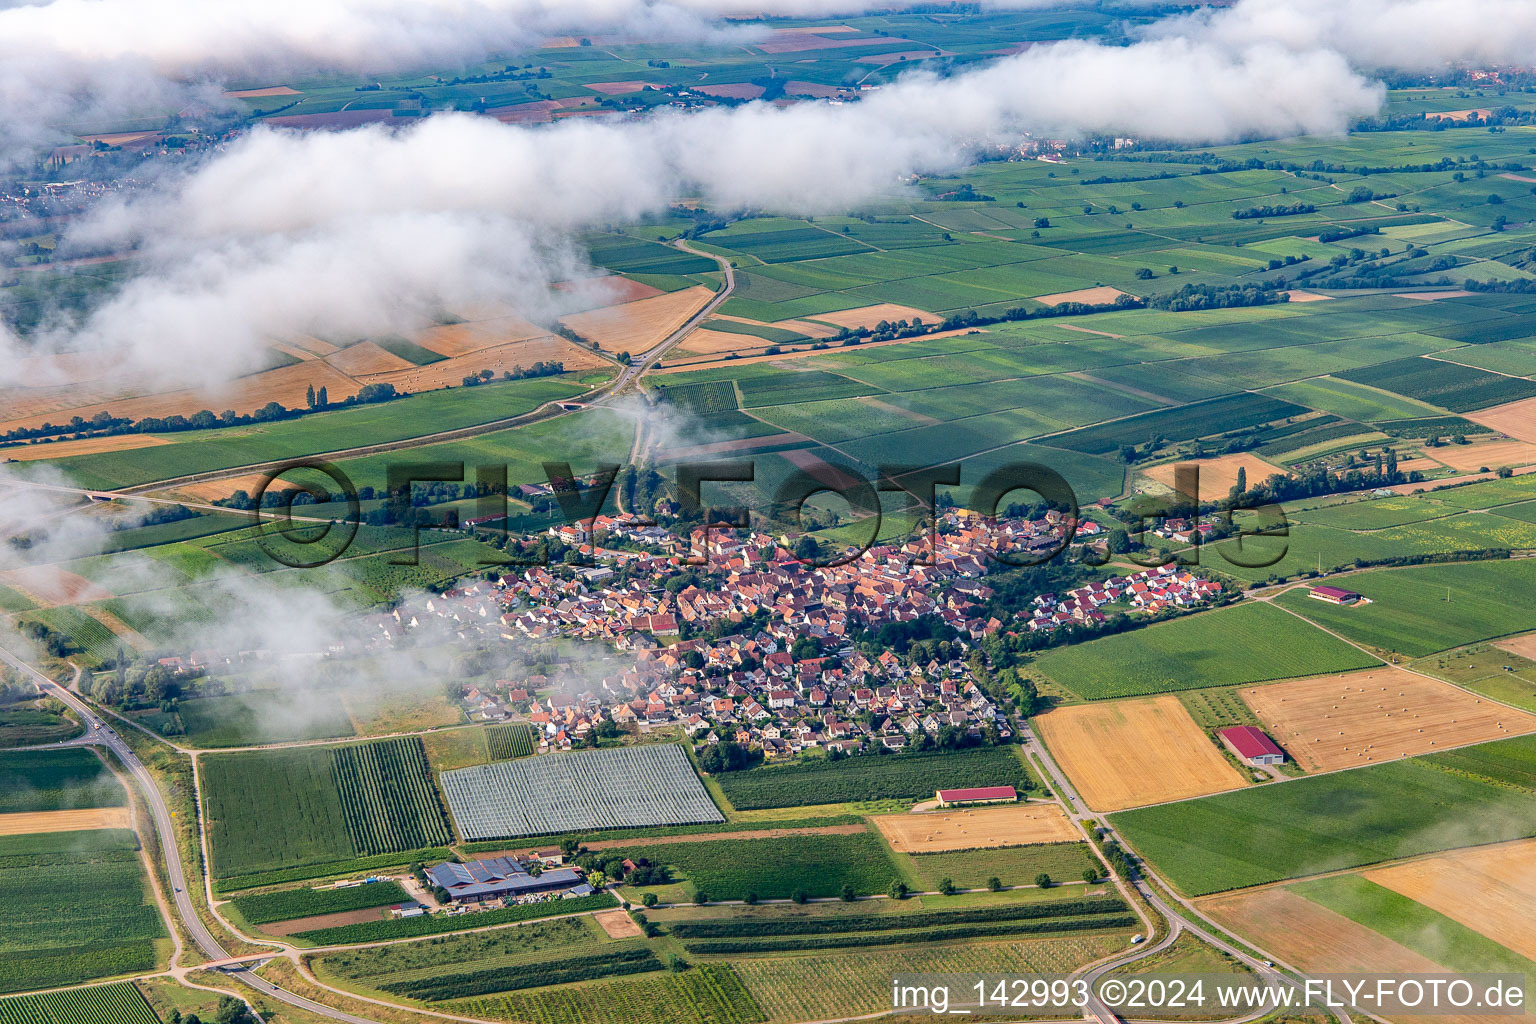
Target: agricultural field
[1341, 820]
[26, 723]
[1010, 865]
[1380, 714]
[1419, 610]
[287, 904]
[308, 811]
[53, 780]
[905, 776]
[1247, 643]
[619, 788]
[708, 994]
[121, 1003]
[1447, 385]
[510, 741]
[381, 929]
[775, 867]
[48, 936]
[379, 966]
[826, 985]
[1399, 918]
[973, 828]
[1143, 750]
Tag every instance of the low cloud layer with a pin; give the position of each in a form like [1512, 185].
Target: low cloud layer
[364, 231]
[1375, 35]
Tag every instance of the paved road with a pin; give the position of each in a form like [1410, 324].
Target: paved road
[1178, 919]
[100, 733]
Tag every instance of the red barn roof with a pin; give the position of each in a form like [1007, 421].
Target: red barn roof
[978, 793]
[1250, 741]
[1336, 593]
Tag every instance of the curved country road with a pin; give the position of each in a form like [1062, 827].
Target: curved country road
[99, 732]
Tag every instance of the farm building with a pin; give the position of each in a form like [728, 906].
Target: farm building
[1333, 595]
[496, 877]
[1252, 744]
[976, 795]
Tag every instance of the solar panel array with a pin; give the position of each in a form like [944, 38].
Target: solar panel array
[626, 787]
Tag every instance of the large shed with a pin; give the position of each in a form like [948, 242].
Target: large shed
[1252, 744]
[976, 795]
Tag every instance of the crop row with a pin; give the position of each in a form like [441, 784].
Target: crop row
[378, 931]
[708, 994]
[387, 796]
[105, 1004]
[510, 741]
[892, 938]
[882, 922]
[285, 905]
[897, 776]
[635, 960]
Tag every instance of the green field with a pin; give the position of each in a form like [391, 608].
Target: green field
[27, 723]
[1011, 865]
[49, 936]
[894, 776]
[708, 994]
[207, 450]
[509, 741]
[53, 780]
[1243, 644]
[318, 808]
[441, 924]
[1329, 822]
[121, 1003]
[1419, 610]
[775, 867]
[287, 904]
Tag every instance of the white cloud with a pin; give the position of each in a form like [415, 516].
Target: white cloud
[366, 231]
[1409, 35]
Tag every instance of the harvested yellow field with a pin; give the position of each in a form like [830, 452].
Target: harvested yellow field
[64, 821]
[1309, 935]
[84, 446]
[212, 490]
[364, 358]
[869, 316]
[451, 372]
[1125, 753]
[1490, 889]
[1493, 454]
[1525, 645]
[1373, 715]
[286, 385]
[476, 335]
[639, 326]
[1297, 295]
[1517, 419]
[1091, 296]
[1218, 475]
[618, 924]
[976, 828]
[705, 342]
[271, 90]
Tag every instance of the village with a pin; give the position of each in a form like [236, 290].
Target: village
[757, 646]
